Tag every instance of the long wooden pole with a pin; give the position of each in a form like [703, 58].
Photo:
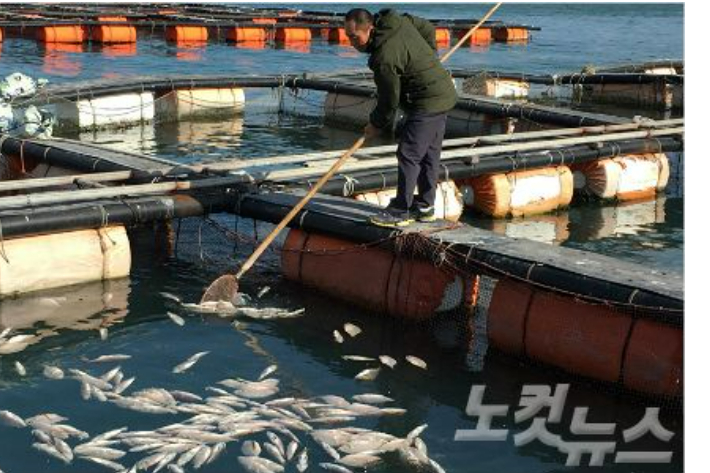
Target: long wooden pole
[448, 54]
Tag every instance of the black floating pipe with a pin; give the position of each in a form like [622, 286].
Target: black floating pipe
[127, 211]
[370, 181]
[574, 79]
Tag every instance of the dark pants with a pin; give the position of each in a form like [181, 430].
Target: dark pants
[418, 155]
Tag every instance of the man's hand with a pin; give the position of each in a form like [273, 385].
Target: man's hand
[371, 131]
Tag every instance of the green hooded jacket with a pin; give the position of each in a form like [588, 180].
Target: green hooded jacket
[406, 68]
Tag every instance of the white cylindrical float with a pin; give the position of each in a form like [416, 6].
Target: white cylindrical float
[199, 102]
[63, 259]
[495, 87]
[449, 202]
[625, 177]
[520, 193]
[105, 112]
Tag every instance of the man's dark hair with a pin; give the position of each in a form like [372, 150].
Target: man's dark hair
[359, 16]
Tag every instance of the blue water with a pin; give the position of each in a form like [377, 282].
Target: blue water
[310, 363]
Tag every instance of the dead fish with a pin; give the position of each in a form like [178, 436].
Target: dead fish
[421, 446]
[291, 450]
[263, 291]
[170, 296]
[368, 374]
[372, 398]
[64, 449]
[110, 358]
[393, 411]
[189, 363]
[333, 467]
[185, 396]
[357, 358]
[259, 465]
[302, 461]
[388, 361]
[251, 448]
[275, 452]
[103, 333]
[20, 369]
[13, 420]
[270, 369]
[107, 463]
[418, 362]
[6, 331]
[436, 467]
[50, 450]
[123, 385]
[176, 318]
[337, 337]
[352, 329]
[52, 372]
[175, 468]
[360, 460]
[416, 432]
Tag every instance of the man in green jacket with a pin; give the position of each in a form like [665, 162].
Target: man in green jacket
[408, 75]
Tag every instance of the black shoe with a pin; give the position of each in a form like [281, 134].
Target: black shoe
[391, 217]
[425, 214]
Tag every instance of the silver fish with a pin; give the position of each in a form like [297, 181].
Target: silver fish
[360, 460]
[291, 450]
[189, 363]
[110, 358]
[13, 420]
[388, 361]
[50, 450]
[352, 329]
[52, 372]
[418, 362]
[368, 374]
[251, 448]
[436, 467]
[357, 358]
[176, 318]
[20, 369]
[263, 291]
[372, 398]
[302, 461]
[335, 468]
[337, 337]
[170, 296]
[270, 369]
[275, 452]
[416, 432]
[103, 333]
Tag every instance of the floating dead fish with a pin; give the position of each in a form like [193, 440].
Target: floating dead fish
[176, 318]
[170, 296]
[418, 362]
[259, 465]
[352, 329]
[270, 369]
[263, 291]
[269, 313]
[368, 375]
[291, 450]
[372, 398]
[416, 432]
[274, 452]
[103, 333]
[13, 420]
[357, 358]
[52, 372]
[302, 461]
[393, 411]
[251, 448]
[50, 450]
[360, 460]
[436, 467]
[20, 369]
[110, 358]
[335, 468]
[337, 337]
[388, 361]
[189, 363]
[185, 396]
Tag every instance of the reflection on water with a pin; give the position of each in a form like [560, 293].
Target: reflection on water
[62, 59]
[47, 313]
